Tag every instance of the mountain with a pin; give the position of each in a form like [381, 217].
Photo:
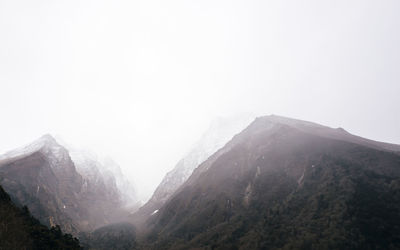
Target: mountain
[100, 194]
[286, 184]
[19, 230]
[126, 188]
[43, 177]
[104, 172]
[220, 132]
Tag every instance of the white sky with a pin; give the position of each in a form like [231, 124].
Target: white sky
[141, 80]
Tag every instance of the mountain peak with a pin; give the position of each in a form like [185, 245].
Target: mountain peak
[47, 139]
[46, 144]
[277, 119]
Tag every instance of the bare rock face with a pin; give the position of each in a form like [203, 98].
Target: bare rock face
[43, 177]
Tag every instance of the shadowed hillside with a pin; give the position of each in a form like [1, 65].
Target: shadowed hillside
[19, 230]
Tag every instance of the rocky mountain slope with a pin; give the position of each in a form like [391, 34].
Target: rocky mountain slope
[286, 184]
[43, 177]
[106, 173]
[19, 230]
[218, 134]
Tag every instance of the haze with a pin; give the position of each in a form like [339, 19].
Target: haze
[140, 81]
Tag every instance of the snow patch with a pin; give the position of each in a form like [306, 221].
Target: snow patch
[299, 181]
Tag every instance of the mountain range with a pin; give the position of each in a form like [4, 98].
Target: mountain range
[274, 183]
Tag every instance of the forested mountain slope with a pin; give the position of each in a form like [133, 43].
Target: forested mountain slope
[19, 230]
[286, 184]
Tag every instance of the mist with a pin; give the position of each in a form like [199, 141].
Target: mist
[140, 81]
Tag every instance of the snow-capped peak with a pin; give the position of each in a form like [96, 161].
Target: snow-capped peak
[45, 144]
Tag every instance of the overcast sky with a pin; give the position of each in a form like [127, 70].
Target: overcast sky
[140, 81]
